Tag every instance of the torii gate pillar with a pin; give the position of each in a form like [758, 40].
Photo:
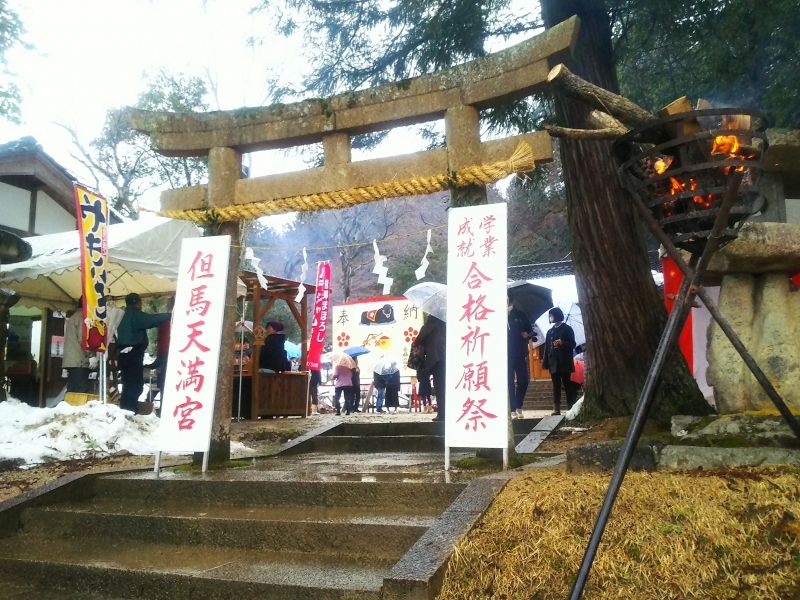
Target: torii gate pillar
[224, 169]
[463, 135]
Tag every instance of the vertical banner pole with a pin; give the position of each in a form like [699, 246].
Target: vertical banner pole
[505, 458]
[157, 469]
[205, 461]
[101, 376]
[447, 458]
[241, 359]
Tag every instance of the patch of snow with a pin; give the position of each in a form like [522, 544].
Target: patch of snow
[240, 447]
[37, 435]
[573, 412]
[682, 433]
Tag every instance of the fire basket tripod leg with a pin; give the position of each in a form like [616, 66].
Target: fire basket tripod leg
[734, 339]
[677, 318]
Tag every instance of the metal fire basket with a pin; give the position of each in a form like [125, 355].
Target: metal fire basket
[682, 181]
[694, 186]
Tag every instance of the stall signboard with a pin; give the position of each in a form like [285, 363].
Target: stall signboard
[187, 410]
[477, 328]
[319, 324]
[384, 326]
[92, 212]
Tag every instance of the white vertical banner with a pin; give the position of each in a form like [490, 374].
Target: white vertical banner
[477, 324]
[187, 409]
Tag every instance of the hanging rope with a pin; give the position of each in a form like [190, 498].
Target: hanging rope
[521, 161]
[391, 238]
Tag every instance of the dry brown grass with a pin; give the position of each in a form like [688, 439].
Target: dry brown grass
[724, 534]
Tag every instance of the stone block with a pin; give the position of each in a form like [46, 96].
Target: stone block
[765, 313]
[689, 458]
[740, 430]
[603, 456]
[760, 248]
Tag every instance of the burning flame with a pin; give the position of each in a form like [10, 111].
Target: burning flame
[662, 164]
[725, 144]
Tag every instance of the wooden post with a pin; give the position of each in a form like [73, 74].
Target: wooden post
[255, 375]
[8, 299]
[304, 333]
[224, 169]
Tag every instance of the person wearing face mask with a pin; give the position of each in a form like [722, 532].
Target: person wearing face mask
[557, 359]
[519, 332]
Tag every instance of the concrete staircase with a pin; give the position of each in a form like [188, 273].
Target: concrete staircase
[409, 437]
[539, 395]
[349, 511]
[225, 536]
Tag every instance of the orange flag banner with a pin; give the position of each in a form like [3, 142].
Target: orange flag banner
[92, 212]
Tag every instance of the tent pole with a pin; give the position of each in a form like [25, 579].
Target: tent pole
[102, 376]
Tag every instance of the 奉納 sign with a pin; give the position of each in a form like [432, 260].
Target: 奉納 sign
[477, 323]
[386, 326]
[319, 325]
[187, 410]
[92, 212]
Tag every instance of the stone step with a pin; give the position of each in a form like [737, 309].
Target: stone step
[132, 569]
[355, 531]
[356, 444]
[14, 591]
[429, 428]
[244, 488]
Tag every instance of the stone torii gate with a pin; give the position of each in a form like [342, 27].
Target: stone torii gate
[464, 166]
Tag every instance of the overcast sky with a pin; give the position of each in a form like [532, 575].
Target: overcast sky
[90, 55]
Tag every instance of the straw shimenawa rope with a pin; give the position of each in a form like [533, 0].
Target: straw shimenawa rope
[521, 161]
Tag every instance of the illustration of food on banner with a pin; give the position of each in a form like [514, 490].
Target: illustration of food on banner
[383, 325]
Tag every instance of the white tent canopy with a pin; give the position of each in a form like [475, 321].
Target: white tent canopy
[143, 257]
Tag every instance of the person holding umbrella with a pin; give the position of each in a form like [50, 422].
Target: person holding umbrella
[558, 346]
[519, 332]
[343, 378]
[433, 338]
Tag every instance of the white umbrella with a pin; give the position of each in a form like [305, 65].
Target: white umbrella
[386, 364]
[242, 326]
[340, 359]
[429, 297]
[572, 317]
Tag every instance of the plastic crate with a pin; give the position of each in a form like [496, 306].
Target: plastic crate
[76, 399]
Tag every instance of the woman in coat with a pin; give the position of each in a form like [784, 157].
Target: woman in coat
[558, 347]
[432, 337]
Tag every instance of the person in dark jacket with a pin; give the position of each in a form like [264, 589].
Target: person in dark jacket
[392, 391]
[132, 344]
[558, 346]
[432, 337]
[273, 358]
[519, 331]
[355, 392]
[379, 383]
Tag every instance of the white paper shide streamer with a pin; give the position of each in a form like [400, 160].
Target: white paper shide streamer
[301, 289]
[250, 257]
[423, 266]
[381, 271]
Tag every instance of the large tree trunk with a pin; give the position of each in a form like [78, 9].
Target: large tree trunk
[623, 313]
